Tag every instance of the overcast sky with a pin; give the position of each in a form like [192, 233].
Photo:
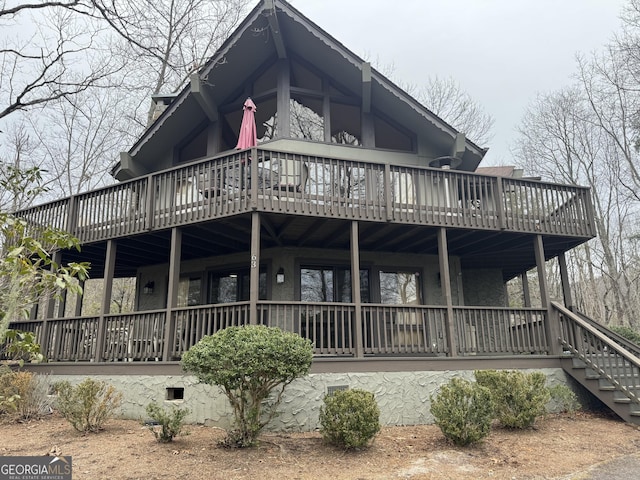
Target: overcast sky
[501, 52]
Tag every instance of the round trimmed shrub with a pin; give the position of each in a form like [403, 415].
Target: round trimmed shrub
[464, 411]
[252, 364]
[349, 418]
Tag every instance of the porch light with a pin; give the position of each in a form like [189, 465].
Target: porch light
[280, 275]
[148, 288]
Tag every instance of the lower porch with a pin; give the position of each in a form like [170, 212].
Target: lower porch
[337, 330]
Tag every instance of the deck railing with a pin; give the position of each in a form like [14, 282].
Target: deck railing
[390, 330]
[499, 331]
[600, 353]
[273, 181]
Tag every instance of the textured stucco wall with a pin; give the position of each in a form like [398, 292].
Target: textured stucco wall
[483, 287]
[403, 397]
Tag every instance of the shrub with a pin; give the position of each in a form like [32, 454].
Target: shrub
[628, 333]
[9, 398]
[464, 411]
[519, 397]
[349, 418]
[21, 346]
[23, 395]
[170, 421]
[252, 365]
[88, 405]
[564, 399]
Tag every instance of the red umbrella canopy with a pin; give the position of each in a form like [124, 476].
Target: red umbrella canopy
[248, 137]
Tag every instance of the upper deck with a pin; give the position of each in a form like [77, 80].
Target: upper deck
[307, 185]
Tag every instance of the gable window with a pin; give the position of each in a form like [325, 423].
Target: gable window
[233, 286]
[331, 284]
[400, 288]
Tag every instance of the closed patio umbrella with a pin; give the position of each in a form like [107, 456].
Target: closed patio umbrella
[247, 137]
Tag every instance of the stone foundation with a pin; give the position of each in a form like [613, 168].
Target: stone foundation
[403, 397]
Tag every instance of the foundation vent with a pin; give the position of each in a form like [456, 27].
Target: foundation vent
[335, 388]
[175, 393]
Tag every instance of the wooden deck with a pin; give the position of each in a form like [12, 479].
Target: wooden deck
[387, 330]
[314, 186]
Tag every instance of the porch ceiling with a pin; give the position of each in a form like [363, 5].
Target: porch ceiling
[512, 252]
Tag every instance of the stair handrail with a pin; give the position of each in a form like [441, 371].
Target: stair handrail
[616, 337]
[589, 357]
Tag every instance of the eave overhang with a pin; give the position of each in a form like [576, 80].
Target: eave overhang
[263, 36]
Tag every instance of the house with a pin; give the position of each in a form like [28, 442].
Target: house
[360, 220]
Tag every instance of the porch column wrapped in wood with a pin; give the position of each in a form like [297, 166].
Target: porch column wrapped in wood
[109, 268]
[445, 281]
[172, 292]
[355, 289]
[553, 322]
[254, 269]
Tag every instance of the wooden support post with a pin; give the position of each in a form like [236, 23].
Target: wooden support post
[254, 270]
[388, 201]
[149, 202]
[62, 304]
[326, 109]
[566, 286]
[500, 210]
[553, 327]
[526, 292]
[78, 310]
[72, 214]
[172, 293]
[255, 180]
[109, 268]
[49, 312]
[445, 282]
[283, 99]
[355, 290]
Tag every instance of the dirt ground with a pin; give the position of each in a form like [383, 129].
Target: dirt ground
[556, 448]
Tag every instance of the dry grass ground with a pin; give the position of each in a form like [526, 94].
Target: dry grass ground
[556, 448]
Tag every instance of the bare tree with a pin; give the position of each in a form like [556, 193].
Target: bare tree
[167, 40]
[46, 53]
[78, 137]
[445, 98]
[562, 137]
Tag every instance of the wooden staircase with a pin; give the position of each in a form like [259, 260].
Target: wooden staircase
[603, 389]
[606, 364]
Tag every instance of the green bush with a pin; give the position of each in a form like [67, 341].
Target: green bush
[519, 397]
[9, 397]
[88, 405]
[170, 421]
[21, 346]
[349, 418]
[252, 365]
[464, 411]
[564, 400]
[628, 333]
[23, 395]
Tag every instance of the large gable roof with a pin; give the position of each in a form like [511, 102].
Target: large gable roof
[276, 29]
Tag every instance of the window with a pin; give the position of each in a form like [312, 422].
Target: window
[400, 288]
[330, 284]
[189, 291]
[233, 286]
